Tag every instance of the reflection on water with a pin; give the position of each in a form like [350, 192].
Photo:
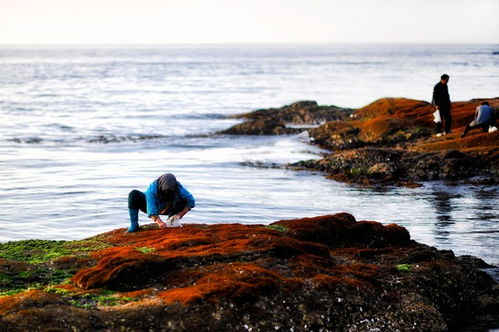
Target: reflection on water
[443, 208]
[466, 219]
[486, 204]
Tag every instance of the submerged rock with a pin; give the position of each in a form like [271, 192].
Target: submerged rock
[329, 273]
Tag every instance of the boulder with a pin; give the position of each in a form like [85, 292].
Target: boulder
[274, 121]
[330, 273]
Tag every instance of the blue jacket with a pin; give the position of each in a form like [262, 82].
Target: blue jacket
[157, 202]
[484, 115]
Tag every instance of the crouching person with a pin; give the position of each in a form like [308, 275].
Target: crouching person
[484, 118]
[165, 196]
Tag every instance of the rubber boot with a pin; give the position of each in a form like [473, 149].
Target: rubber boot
[134, 220]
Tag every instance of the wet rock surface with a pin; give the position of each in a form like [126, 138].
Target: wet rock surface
[385, 165]
[329, 273]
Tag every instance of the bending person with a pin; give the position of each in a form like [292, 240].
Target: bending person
[484, 118]
[165, 196]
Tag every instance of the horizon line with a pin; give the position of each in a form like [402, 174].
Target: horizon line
[247, 43]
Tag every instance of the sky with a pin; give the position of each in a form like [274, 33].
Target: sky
[248, 21]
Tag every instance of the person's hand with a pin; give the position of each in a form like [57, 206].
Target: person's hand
[161, 224]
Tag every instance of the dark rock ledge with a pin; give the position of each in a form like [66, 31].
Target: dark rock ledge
[277, 121]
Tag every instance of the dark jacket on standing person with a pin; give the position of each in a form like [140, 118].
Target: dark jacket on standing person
[441, 96]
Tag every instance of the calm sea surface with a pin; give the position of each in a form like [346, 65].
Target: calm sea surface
[82, 126]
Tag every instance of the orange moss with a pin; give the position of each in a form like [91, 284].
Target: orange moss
[233, 280]
[185, 277]
[25, 300]
[305, 228]
[357, 270]
[386, 116]
[113, 263]
[416, 110]
[307, 267]
[342, 229]
[304, 266]
[119, 266]
[182, 247]
[138, 294]
[199, 263]
[376, 129]
[474, 141]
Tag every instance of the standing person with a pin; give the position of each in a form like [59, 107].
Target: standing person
[441, 102]
[165, 196]
[484, 118]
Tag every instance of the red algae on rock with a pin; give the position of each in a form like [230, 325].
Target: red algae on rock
[341, 230]
[386, 142]
[328, 272]
[236, 281]
[391, 141]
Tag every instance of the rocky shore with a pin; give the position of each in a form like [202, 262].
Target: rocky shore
[328, 273]
[389, 141]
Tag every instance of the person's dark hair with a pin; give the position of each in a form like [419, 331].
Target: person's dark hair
[167, 183]
[444, 77]
[486, 103]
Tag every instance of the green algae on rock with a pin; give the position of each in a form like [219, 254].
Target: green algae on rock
[41, 251]
[34, 264]
[329, 273]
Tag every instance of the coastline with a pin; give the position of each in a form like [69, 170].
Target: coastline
[327, 272]
[388, 142]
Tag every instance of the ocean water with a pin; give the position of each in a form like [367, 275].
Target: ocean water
[81, 126]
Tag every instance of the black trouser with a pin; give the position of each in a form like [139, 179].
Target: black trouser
[484, 126]
[444, 115]
[137, 200]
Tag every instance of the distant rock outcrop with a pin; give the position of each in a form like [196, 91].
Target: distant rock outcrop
[329, 273]
[276, 121]
[391, 141]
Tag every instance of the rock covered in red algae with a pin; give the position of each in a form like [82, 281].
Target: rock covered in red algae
[329, 272]
[391, 141]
